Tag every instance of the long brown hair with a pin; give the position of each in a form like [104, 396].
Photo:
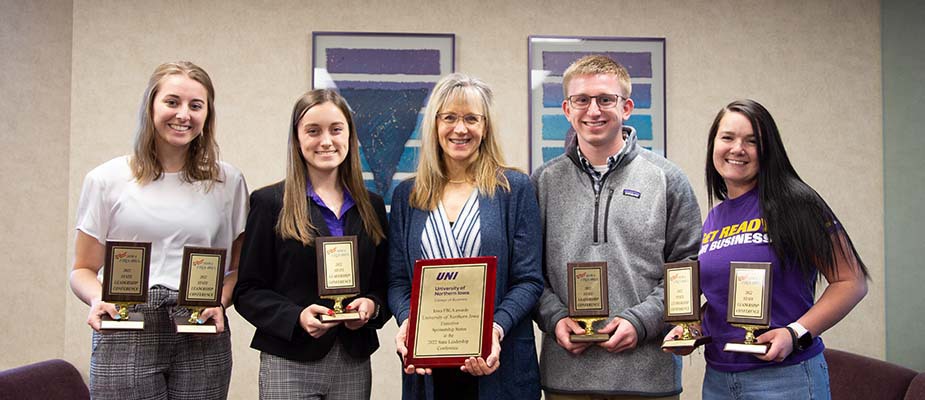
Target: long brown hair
[488, 166]
[294, 219]
[202, 154]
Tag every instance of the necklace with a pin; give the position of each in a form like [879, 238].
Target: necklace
[458, 180]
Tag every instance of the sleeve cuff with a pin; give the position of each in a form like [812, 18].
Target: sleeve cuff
[500, 330]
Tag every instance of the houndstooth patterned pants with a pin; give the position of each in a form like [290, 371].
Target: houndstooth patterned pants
[337, 376]
[158, 363]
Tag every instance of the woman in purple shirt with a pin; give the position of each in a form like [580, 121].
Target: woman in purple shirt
[323, 195]
[768, 214]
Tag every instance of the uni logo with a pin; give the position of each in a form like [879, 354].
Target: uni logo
[447, 276]
[121, 255]
[199, 261]
[332, 250]
[580, 275]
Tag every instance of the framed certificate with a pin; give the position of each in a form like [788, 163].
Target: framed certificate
[338, 274]
[452, 309]
[201, 279]
[125, 282]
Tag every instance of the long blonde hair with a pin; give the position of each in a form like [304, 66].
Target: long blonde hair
[294, 219]
[488, 166]
[201, 156]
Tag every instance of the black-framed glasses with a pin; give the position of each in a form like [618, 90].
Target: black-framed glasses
[604, 101]
[468, 119]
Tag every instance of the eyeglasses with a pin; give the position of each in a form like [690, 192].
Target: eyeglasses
[468, 119]
[604, 101]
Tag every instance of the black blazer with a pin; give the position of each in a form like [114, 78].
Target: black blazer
[277, 280]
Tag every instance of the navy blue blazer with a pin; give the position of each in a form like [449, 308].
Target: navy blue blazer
[510, 224]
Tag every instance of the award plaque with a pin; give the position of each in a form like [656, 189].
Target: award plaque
[125, 282]
[338, 274]
[587, 299]
[682, 303]
[749, 303]
[200, 287]
[452, 309]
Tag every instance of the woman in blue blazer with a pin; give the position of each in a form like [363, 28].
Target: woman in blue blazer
[464, 202]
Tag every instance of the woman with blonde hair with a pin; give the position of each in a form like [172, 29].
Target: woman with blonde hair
[173, 192]
[323, 195]
[464, 202]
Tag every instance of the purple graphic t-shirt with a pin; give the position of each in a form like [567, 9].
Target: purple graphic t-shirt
[735, 231]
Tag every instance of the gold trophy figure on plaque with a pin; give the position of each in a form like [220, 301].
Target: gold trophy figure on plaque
[682, 303]
[125, 283]
[587, 299]
[201, 283]
[338, 274]
[749, 304]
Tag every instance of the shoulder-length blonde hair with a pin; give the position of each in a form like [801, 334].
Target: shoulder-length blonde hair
[202, 154]
[487, 168]
[295, 222]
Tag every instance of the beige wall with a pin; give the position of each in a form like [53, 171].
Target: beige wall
[815, 65]
[35, 79]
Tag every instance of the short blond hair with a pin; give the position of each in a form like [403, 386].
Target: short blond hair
[597, 64]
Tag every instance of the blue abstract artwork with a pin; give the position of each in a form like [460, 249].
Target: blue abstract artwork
[386, 78]
[549, 56]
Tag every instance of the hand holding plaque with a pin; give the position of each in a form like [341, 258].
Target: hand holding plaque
[682, 304]
[749, 303]
[338, 274]
[125, 283]
[587, 299]
[200, 287]
[452, 309]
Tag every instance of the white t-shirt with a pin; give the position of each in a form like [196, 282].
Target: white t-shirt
[168, 212]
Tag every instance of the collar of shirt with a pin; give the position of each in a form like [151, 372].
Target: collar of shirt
[612, 162]
[331, 218]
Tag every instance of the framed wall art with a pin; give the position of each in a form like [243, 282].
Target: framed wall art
[387, 79]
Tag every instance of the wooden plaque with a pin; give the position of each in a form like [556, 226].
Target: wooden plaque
[749, 294]
[202, 277]
[587, 289]
[452, 311]
[125, 272]
[682, 291]
[338, 265]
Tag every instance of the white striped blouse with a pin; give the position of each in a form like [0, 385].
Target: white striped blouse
[440, 239]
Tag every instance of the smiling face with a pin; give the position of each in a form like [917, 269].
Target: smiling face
[460, 141]
[179, 111]
[324, 137]
[735, 153]
[598, 131]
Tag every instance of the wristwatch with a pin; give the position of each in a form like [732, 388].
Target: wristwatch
[801, 337]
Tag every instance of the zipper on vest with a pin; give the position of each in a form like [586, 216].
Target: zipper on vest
[607, 213]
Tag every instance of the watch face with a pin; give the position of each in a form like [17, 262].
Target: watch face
[805, 341]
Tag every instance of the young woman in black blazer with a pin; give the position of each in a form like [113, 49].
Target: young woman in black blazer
[323, 195]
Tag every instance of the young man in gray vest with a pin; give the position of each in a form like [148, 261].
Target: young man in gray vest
[609, 199]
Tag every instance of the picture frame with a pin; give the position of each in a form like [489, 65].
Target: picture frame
[387, 79]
